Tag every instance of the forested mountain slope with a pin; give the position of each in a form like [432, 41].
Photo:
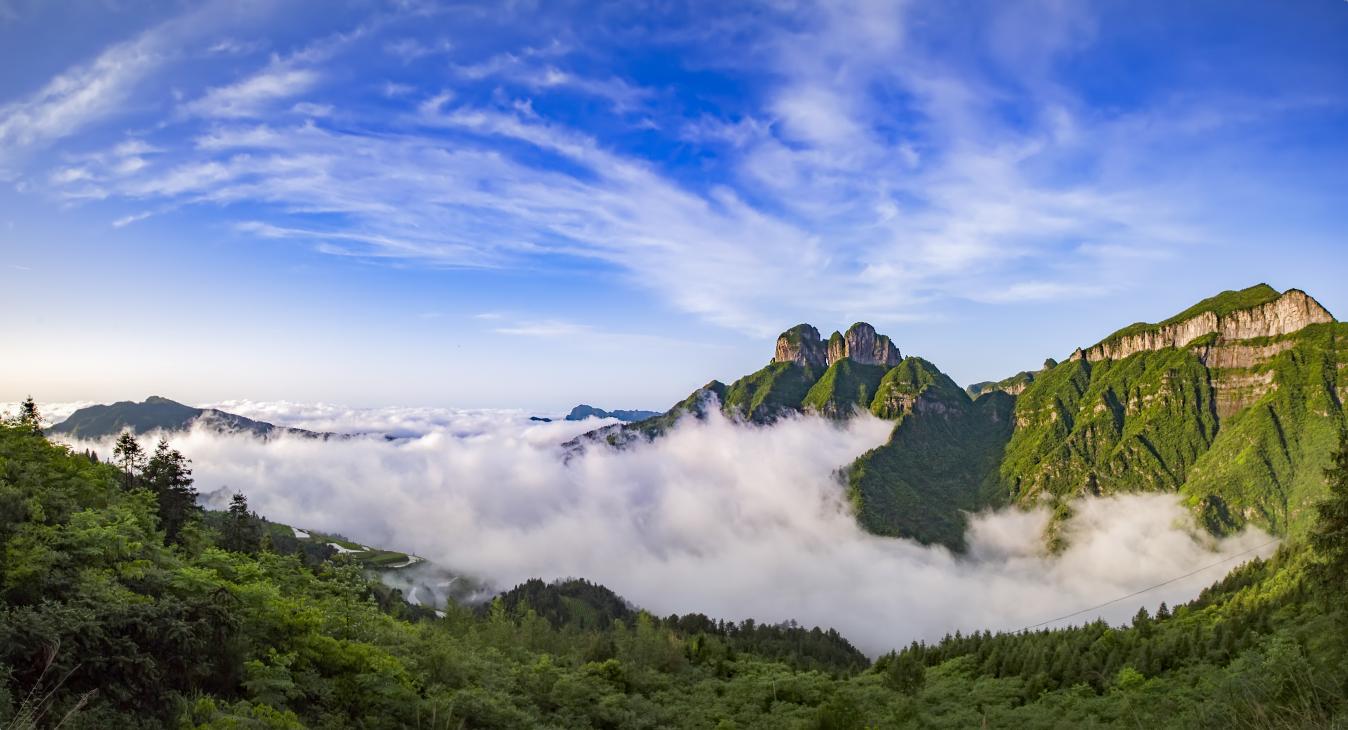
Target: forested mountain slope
[1232, 403]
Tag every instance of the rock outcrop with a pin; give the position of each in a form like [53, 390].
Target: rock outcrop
[1292, 311]
[801, 345]
[863, 345]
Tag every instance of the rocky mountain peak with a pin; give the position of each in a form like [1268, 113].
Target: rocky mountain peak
[863, 345]
[802, 345]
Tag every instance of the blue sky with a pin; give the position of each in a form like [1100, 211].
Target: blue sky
[531, 205]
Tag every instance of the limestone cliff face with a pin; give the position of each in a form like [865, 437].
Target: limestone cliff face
[801, 345]
[1292, 311]
[863, 345]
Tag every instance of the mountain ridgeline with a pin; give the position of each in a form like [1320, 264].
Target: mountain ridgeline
[584, 411]
[1233, 403]
[161, 414]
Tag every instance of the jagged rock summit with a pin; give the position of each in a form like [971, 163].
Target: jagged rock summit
[802, 345]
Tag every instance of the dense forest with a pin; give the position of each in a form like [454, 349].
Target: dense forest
[124, 605]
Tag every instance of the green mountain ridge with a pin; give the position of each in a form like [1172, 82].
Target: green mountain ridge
[156, 413]
[1231, 403]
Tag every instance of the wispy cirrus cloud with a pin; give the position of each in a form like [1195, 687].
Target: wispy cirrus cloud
[253, 95]
[88, 93]
[851, 166]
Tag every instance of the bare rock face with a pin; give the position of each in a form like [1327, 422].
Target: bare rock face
[863, 345]
[837, 347]
[1288, 313]
[1235, 362]
[801, 345]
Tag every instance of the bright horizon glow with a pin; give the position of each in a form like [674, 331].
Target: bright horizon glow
[532, 207]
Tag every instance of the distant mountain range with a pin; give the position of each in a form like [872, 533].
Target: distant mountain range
[1234, 403]
[161, 414]
[582, 412]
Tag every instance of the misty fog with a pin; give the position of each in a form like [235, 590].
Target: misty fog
[731, 520]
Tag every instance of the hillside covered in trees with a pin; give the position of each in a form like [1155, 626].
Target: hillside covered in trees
[1234, 403]
[123, 605]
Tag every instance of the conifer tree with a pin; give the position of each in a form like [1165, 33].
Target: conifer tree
[128, 455]
[241, 527]
[1329, 537]
[168, 475]
[29, 417]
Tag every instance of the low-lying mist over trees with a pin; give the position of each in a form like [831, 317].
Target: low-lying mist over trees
[728, 519]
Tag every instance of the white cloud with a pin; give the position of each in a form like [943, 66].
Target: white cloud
[127, 220]
[730, 520]
[82, 94]
[253, 95]
[411, 49]
[870, 173]
[547, 328]
[87, 93]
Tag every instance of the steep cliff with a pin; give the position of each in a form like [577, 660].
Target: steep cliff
[1232, 315]
[801, 345]
[1233, 403]
[862, 344]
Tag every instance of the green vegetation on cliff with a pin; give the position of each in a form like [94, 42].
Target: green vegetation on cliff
[766, 395]
[845, 387]
[937, 463]
[1264, 466]
[1137, 424]
[1150, 422]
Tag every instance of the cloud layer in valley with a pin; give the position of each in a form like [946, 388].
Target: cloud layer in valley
[730, 520]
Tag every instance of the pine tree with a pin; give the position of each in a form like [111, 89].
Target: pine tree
[904, 672]
[168, 475]
[29, 417]
[1329, 537]
[130, 457]
[241, 527]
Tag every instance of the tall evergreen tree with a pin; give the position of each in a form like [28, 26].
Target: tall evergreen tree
[242, 528]
[29, 417]
[167, 473]
[130, 457]
[1329, 537]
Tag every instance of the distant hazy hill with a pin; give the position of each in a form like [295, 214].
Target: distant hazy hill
[1234, 403]
[582, 412]
[161, 414]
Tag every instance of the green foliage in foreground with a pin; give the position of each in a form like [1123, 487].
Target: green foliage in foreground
[106, 624]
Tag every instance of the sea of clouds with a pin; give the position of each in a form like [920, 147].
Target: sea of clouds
[731, 520]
